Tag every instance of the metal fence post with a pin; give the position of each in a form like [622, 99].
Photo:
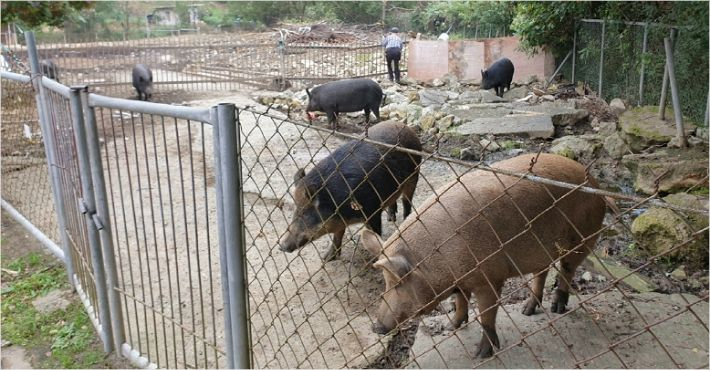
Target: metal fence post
[574, 52]
[643, 63]
[222, 243]
[88, 208]
[680, 133]
[103, 219]
[229, 165]
[50, 151]
[664, 87]
[601, 60]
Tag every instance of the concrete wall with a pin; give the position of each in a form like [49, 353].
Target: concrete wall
[464, 59]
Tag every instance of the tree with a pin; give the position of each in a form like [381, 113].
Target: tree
[32, 14]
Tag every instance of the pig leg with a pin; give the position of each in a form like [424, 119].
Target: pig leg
[461, 315]
[538, 287]
[332, 119]
[334, 252]
[564, 278]
[408, 194]
[392, 212]
[487, 297]
[367, 116]
[375, 222]
[376, 111]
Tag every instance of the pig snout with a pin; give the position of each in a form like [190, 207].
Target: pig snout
[292, 241]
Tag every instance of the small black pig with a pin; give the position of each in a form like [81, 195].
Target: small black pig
[50, 69]
[143, 81]
[498, 76]
[353, 185]
[345, 96]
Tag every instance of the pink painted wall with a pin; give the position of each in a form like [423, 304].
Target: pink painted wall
[431, 57]
[465, 59]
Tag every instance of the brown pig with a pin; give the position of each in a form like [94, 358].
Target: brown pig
[482, 229]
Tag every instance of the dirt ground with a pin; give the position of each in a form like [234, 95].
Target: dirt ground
[16, 243]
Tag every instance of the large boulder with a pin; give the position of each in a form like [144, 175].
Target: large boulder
[615, 146]
[617, 106]
[680, 169]
[641, 128]
[697, 220]
[577, 147]
[662, 231]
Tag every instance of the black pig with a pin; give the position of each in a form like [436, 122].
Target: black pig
[50, 69]
[345, 96]
[353, 185]
[143, 81]
[498, 76]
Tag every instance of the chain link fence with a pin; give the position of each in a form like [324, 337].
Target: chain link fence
[159, 243]
[25, 178]
[309, 311]
[627, 60]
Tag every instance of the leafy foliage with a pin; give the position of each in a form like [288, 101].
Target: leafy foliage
[32, 14]
[461, 15]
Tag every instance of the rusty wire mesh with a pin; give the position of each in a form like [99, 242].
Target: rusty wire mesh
[25, 178]
[306, 312]
[217, 62]
[159, 177]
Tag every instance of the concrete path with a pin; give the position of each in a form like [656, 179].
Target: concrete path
[677, 336]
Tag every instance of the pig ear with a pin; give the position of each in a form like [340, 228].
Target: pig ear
[396, 265]
[301, 173]
[371, 241]
[308, 93]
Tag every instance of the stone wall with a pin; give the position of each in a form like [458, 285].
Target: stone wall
[464, 59]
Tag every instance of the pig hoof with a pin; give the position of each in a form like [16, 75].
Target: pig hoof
[530, 306]
[489, 339]
[559, 303]
[330, 256]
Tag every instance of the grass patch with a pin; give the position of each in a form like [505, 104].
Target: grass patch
[67, 334]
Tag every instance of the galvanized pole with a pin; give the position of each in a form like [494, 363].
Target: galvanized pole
[224, 275]
[574, 53]
[664, 87]
[50, 151]
[232, 203]
[87, 206]
[102, 218]
[643, 63]
[601, 60]
[680, 133]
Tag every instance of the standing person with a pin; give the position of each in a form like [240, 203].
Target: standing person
[393, 52]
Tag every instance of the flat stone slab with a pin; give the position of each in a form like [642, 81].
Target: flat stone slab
[14, 357]
[582, 337]
[54, 300]
[534, 125]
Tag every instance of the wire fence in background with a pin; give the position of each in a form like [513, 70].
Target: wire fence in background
[25, 177]
[627, 60]
[219, 62]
